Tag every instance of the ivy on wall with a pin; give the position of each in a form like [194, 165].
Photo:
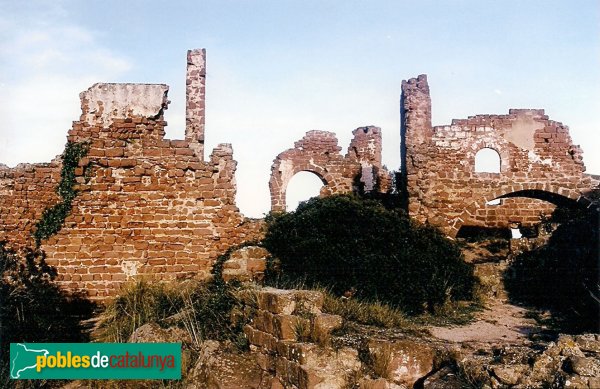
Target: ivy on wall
[218, 267]
[53, 217]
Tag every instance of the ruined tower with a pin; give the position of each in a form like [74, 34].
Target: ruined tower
[415, 133]
[195, 88]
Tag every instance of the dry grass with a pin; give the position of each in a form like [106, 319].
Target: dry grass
[138, 303]
[380, 361]
[363, 312]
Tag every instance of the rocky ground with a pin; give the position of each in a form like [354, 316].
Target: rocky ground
[503, 347]
[499, 322]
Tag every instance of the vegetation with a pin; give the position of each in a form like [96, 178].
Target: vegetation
[564, 275]
[33, 308]
[366, 312]
[357, 246]
[138, 303]
[53, 217]
[207, 310]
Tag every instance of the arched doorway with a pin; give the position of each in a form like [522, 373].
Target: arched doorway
[301, 187]
[518, 207]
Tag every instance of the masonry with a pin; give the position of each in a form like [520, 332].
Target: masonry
[539, 167]
[151, 207]
[146, 206]
[360, 170]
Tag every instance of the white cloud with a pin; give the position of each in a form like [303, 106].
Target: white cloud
[46, 67]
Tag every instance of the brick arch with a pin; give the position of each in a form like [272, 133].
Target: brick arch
[493, 144]
[287, 165]
[318, 153]
[279, 182]
[555, 194]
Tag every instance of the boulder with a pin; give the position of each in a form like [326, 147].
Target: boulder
[445, 378]
[276, 300]
[588, 343]
[220, 368]
[323, 325]
[401, 361]
[510, 374]
[587, 367]
[153, 333]
[378, 383]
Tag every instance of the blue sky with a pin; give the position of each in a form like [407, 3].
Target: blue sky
[277, 69]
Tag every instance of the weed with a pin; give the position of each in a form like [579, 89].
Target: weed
[138, 303]
[380, 361]
[53, 217]
[206, 310]
[302, 330]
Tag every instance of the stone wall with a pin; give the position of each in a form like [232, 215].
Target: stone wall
[539, 165]
[153, 207]
[282, 332]
[25, 191]
[318, 152]
[146, 207]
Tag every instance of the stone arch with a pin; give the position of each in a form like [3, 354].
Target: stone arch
[302, 186]
[282, 172]
[318, 153]
[493, 144]
[555, 194]
[483, 163]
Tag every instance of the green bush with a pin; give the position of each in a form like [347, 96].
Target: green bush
[563, 275]
[347, 243]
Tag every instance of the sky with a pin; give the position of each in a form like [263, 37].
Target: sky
[276, 69]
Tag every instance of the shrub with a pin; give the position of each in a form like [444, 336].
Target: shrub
[204, 309]
[346, 243]
[563, 275]
[32, 307]
[138, 303]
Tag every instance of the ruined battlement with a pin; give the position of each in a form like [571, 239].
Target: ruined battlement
[145, 206]
[536, 160]
[318, 153]
[320, 141]
[140, 205]
[103, 103]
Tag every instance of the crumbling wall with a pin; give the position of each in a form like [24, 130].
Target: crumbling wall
[25, 191]
[539, 165]
[195, 89]
[318, 152]
[146, 207]
[282, 332]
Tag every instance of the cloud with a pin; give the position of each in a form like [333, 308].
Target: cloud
[45, 67]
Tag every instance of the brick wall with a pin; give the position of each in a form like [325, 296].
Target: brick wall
[25, 191]
[147, 206]
[539, 165]
[152, 207]
[318, 152]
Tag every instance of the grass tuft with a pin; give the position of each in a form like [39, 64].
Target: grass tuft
[364, 312]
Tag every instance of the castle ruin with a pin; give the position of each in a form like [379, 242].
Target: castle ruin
[151, 207]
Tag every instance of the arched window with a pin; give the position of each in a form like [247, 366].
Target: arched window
[487, 160]
[302, 186]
